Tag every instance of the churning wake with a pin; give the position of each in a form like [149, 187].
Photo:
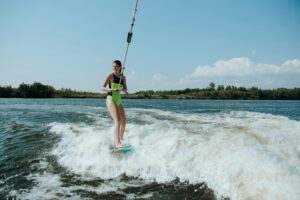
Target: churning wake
[242, 155]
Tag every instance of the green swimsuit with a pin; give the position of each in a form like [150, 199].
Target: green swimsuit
[115, 96]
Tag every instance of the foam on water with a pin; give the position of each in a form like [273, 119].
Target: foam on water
[242, 155]
[50, 186]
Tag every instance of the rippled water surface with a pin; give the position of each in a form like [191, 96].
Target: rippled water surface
[194, 149]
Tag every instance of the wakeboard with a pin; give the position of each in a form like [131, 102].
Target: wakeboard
[124, 149]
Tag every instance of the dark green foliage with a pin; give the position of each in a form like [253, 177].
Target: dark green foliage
[211, 86]
[222, 92]
[38, 90]
[7, 91]
[220, 87]
[68, 93]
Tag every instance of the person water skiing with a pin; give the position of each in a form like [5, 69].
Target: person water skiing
[116, 83]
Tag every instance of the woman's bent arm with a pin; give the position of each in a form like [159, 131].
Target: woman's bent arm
[104, 85]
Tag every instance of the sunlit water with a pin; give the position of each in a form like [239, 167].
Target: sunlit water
[195, 149]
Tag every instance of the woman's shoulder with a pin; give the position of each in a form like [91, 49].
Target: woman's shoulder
[109, 77]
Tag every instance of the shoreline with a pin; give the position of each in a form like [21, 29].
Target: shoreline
[221, 92]
[191, 99]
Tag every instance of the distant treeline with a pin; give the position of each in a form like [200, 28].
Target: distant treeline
[224, 92]
[38, 90]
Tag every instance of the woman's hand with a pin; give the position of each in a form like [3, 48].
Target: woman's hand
[114, 90]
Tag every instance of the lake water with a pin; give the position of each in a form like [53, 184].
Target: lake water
[194, 149]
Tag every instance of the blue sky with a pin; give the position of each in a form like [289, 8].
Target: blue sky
[176, 43]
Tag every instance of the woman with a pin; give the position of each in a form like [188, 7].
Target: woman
[116, 82]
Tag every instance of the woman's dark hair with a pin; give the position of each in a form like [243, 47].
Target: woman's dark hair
[118, 63]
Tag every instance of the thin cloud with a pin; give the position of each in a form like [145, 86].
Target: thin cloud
[245, 72]
[242, 66]
[132, 75]
[158, 77]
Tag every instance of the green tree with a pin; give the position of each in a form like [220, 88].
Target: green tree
[211, 86]
[220, 87]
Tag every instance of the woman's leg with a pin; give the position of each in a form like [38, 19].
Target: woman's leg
[122, 121]
[113, 110]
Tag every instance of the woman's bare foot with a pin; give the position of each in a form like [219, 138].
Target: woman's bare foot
[119, 145]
